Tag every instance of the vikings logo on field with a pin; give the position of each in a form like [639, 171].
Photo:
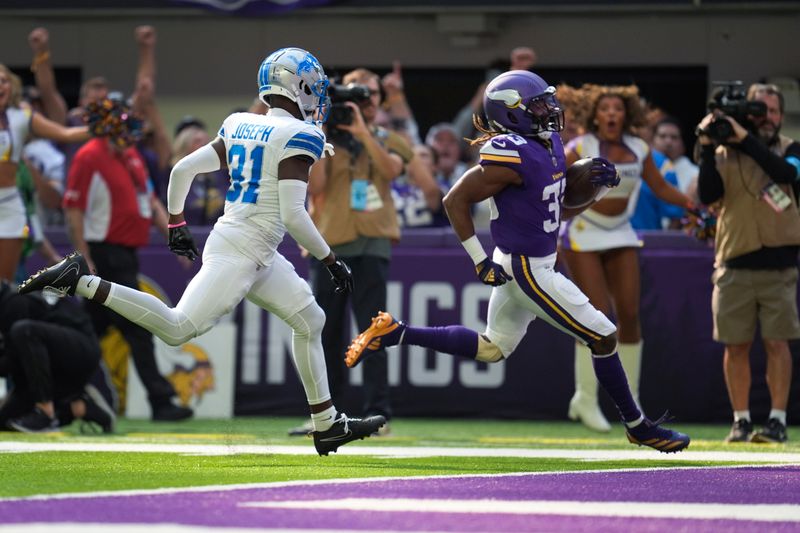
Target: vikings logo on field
[195, 381]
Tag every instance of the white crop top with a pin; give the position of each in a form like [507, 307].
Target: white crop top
[12, 140]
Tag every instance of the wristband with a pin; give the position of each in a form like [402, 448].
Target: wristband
[40, 58]
[475, 249]
[178, 225]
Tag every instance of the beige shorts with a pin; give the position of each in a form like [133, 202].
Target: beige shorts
[744, 297]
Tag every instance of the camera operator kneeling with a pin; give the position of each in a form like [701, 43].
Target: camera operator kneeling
[753, 174]
[50, 353]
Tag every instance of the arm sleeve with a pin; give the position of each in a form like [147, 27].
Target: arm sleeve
[778, 168]
[204, 159]
[709, 181]
[292, 199]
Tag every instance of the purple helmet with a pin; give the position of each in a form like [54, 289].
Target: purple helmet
[521, 102]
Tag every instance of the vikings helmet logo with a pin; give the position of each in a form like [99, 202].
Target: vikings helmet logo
[510, 97]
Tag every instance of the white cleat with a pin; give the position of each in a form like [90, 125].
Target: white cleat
[588, 412]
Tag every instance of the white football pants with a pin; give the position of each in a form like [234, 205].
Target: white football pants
[225, 278]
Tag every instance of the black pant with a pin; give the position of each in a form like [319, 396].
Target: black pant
[368, 298]
[47, 363]
[120, 264]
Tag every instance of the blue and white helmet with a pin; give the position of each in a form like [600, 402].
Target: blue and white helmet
[297, 75]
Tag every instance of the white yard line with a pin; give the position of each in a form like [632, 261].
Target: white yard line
[703, 511]
[401, 452]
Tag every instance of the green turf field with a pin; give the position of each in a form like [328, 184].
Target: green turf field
[50, 472]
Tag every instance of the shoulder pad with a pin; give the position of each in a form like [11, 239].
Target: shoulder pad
[503, 149]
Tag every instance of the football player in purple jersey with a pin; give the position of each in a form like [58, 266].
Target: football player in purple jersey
[522, 168]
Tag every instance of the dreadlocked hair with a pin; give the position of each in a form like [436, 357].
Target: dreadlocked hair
[488, 132]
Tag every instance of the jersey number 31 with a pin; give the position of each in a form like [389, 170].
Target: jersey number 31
[239, 174]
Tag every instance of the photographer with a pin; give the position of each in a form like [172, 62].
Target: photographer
[354, 211]
[752, 171]
[50, 352]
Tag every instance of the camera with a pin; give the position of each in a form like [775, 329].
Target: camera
[730, 97]
[340, 113]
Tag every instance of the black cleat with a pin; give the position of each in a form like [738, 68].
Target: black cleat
[774, 431]
[37, 421]
[345, 430]
[170, 412]
[652, 434]
[97, 411]
[741, 430]
[59, 279]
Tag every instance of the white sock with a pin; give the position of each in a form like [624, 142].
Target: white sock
[324, 420]
[87, 286]
[779, 414]
[635, 423]
[744, 415]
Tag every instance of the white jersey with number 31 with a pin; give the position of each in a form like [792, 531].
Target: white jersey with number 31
[254, 146]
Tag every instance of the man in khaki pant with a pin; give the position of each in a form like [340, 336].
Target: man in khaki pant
[754, 177]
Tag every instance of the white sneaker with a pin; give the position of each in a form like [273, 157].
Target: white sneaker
[588, 412]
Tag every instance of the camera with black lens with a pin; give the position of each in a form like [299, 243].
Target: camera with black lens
[339, 94]
[730, 98]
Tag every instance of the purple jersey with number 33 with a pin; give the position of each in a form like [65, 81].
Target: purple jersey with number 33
[527, 216]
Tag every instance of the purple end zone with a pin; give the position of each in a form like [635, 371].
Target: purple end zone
[762, 485]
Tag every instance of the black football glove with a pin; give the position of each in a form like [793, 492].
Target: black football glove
[490, 273]
[182, 243]
[604, 173]
[341, 276]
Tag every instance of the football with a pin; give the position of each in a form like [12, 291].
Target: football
[579, 191]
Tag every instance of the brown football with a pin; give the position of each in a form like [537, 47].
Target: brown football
[579, 191]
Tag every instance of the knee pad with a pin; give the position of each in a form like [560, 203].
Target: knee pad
[309, 321]
[488, 352]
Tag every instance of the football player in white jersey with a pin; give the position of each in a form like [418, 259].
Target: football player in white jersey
[268, 158]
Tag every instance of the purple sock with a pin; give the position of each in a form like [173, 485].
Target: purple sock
[455, 340]
[611, 376]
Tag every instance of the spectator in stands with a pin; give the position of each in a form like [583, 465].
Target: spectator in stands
[668, 140]
[652, 213]
[110, 205]
[448, 147]
[18, 124]
[46, 162]
[417, 195]
[155, 145]
[53, 105]
[599, 246]
[395, 113]
[754, 177]
[354, 212]
[50, 353]
[206, 198]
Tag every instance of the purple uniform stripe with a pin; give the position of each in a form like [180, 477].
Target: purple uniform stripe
[524, 276]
